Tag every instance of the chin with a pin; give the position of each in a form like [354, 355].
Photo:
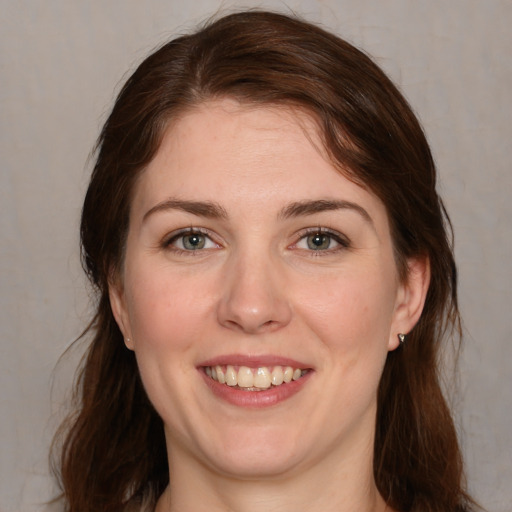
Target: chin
[257, 453]
[257, 466]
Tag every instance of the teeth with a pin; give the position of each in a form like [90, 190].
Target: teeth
[231, 376]
[254, 379]
[262, 378]
[245, 377]
[220, 375]
[277, 376]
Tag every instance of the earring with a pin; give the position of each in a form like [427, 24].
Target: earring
[401, 338]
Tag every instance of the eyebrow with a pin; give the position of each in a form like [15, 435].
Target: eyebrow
[207, 209]
[304, 208]
[214, 210]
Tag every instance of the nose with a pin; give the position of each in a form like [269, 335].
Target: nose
[253, 298]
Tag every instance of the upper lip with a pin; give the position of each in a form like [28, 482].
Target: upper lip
[253, 361]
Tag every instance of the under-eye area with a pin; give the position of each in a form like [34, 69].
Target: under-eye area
[254, 379]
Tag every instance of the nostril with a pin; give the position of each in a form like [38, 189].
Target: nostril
[245, 326]
[231, 324]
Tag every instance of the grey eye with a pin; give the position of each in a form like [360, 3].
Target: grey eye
[322, 241]
[190, 241]
[193, 242]
[319, 241]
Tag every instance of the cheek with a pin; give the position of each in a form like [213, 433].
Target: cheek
[350, 313]
[166, 319]
[166, 312]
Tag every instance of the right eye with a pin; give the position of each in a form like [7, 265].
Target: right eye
[190, 240]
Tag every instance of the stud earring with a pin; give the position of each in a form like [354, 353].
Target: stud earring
[401, 338]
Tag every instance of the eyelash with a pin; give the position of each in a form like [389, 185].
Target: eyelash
[341, 240]
[182, 233]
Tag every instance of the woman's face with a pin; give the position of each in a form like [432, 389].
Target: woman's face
[251, 261]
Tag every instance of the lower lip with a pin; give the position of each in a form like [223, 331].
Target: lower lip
[256, 399]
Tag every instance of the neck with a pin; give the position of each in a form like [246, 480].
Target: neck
[254, 497]
[331, 487]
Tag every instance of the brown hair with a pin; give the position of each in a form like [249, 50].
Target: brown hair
[113, 452]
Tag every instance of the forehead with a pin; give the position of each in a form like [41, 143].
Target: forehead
[246, 156]
[216, 131]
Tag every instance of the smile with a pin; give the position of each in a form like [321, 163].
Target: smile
[254, 379]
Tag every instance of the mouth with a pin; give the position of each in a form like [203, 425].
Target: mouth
[261, 378]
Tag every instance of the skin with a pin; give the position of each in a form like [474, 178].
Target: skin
[258, 288]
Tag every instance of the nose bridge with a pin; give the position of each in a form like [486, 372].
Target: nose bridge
[254, 297]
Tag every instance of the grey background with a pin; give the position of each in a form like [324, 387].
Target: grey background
[61, 63]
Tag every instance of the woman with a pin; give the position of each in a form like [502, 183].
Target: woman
[274, 282]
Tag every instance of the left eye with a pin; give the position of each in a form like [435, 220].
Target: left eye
[192, 242]
[318, 241]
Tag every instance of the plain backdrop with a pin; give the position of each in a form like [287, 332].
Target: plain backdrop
[62, 61]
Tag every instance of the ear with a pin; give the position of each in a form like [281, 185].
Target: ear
[120, 310]
[411, 297]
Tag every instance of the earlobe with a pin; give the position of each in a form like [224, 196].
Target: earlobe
[119, 310]
[410, 299]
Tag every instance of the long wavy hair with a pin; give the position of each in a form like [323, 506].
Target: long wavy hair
[110, 453]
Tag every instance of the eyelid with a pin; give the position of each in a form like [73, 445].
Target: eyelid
[340, 238]
[175, 235]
